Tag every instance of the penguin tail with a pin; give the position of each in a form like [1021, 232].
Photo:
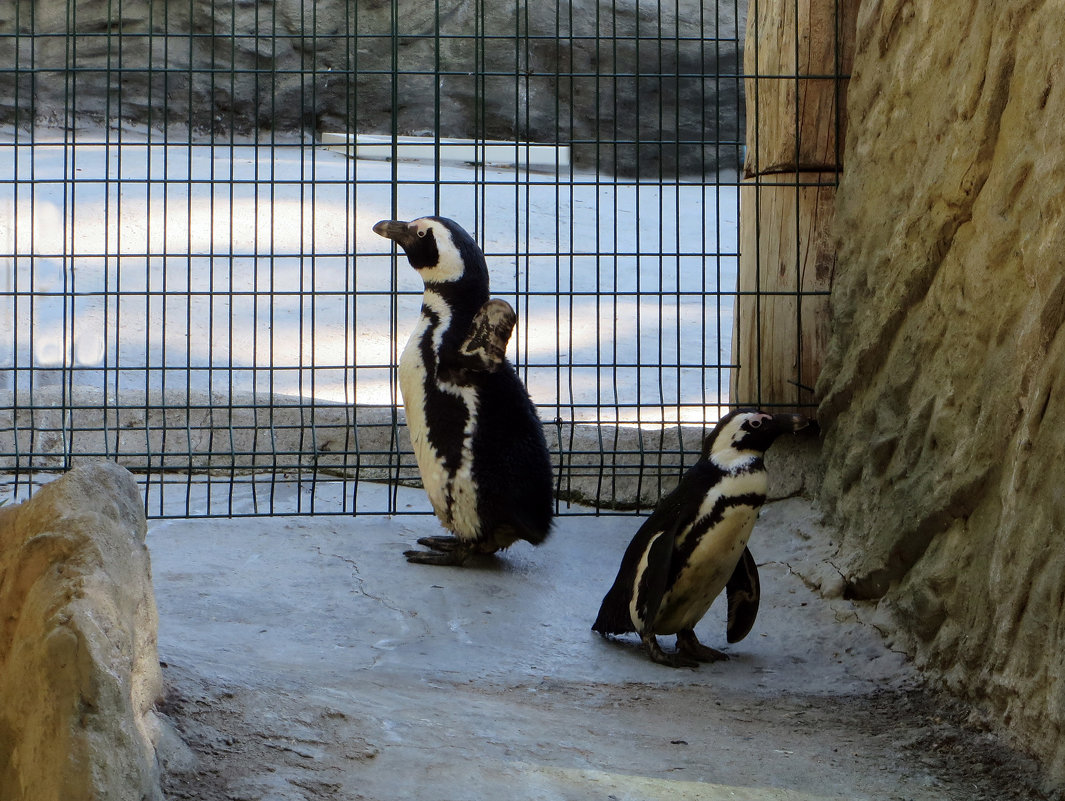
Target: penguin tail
[534, 532]
[613, 615]
[538, 535]
[518, 528]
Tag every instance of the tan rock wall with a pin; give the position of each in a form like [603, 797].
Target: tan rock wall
[79, 672]
[944, 387]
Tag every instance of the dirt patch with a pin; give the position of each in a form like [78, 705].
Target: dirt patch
[939, 737]
[258, 744]
[255, 744]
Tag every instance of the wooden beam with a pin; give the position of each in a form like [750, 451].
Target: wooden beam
[795, 54]
[787, 260]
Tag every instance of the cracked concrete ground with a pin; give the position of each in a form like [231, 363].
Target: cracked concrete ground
[307, 660]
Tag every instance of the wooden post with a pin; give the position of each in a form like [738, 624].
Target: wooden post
[795, 54]
[781, 328]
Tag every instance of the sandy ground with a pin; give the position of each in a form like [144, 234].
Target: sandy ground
[305, 659]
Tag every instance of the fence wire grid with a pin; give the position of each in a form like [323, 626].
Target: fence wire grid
[189, 283]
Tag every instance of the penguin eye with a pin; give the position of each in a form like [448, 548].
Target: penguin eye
[421, 234]
[755, 423]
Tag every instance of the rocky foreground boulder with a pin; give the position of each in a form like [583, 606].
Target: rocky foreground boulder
[79, 672]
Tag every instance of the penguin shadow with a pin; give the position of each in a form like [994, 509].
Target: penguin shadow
[498, 563]
[485, 563]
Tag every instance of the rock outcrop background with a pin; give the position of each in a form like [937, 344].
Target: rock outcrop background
[633, 86]
[944, 388]
[79, 672]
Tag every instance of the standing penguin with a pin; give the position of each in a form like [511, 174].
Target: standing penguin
[477, 437]
[694, 545]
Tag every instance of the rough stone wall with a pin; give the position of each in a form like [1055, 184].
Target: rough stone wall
[79, 673]
[944, 388]
[661, 78]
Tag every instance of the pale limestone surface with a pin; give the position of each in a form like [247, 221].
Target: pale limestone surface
[79, 672]
[944, 403]
[307, 660]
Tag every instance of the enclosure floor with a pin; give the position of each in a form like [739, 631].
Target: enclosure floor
[305, 659]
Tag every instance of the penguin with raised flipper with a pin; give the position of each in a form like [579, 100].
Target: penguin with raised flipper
[694, 545]
[477, 437]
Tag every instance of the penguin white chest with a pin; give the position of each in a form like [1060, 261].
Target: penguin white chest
[711, 562]
[444, 457]
[413, 372]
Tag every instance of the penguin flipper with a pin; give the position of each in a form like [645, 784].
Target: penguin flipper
[615, 613]
[652, 584]
[485, 345]
[656, 538]
[743, 591]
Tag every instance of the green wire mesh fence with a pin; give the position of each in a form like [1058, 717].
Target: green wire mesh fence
[188, 280]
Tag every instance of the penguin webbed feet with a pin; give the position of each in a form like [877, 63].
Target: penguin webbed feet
[690, 652]
[441, 543]
[445, 550]
[676, 659]
[689, 644]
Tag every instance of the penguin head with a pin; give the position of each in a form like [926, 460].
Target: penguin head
[438, 248]
[744, 433]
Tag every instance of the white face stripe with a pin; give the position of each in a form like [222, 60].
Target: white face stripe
[724, 452]
[449, 266]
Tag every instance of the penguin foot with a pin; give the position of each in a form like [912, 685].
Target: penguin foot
[453, 558]
[687, 643]
[674, 660]
[444, 543]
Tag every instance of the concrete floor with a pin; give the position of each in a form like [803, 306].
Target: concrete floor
[306, 659]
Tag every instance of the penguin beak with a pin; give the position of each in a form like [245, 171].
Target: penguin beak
[397, 230]
[791, 423]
